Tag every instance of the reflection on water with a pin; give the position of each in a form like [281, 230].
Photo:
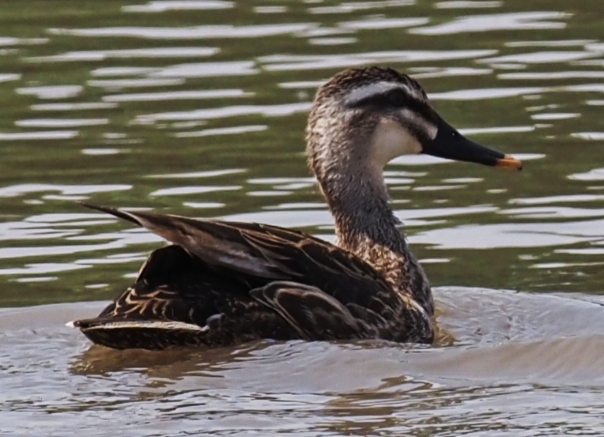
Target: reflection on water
[198, 107]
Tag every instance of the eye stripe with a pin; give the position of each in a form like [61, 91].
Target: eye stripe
[395, 98]
[366, 93]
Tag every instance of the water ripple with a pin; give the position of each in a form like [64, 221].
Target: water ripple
[315, 62]
[9, 77]
[348, 7]
[492, 22]
[184, 33]
[179, 5]
[540, 57]
[384, 23]
[72, 106]
[206, 69]
[52, 91]
[227, 111]
[62, 123]
[179, 191]
[177, 95]
[38, 135]
[233, 130]
[162, 52]
[464, 4]
[21, 189]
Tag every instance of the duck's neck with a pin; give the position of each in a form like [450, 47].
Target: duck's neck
[359, 203]
[348, 163]
[367, 226]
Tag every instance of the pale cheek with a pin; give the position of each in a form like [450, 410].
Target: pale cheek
[391, 140]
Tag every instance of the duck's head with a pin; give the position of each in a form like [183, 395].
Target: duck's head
[364, 117]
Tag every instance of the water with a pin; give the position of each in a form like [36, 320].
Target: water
[198, 107]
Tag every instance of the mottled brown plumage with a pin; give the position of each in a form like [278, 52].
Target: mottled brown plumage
[269, 287]
[223, 283]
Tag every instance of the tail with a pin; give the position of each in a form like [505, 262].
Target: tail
[151, 315]
[141, 334]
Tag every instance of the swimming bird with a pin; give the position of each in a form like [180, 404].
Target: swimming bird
[222, 283]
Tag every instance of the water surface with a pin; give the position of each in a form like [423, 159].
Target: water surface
[198, 107]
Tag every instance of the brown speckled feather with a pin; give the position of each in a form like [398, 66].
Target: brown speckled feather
[226, 283]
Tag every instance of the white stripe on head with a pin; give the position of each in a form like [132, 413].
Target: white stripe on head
[377, 88]
[420, 123]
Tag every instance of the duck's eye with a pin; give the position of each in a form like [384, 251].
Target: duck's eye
[392, 98]
[396, 98]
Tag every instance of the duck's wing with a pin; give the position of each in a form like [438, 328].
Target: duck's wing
[260, 254]
[313, 314]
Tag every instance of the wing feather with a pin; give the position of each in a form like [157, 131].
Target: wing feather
[264, 253]
[315, 315]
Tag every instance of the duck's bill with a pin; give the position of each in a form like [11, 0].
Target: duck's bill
[450, 144]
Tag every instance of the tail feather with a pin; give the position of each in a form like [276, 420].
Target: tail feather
[144, 334]
[215, 242]
[113, 211]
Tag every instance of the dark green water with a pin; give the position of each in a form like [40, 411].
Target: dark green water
[198, 108]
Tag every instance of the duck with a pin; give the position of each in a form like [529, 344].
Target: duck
[221, 283]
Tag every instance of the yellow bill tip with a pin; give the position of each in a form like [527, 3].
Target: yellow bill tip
[509, 162]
